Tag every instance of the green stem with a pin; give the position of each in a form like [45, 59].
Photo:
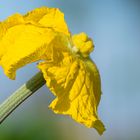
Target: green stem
[20, 95]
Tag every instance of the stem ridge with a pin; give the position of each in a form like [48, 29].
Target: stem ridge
[20, 95]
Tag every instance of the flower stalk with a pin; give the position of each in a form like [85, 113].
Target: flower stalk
[20, 95]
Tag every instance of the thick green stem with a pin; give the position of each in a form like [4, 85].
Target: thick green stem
[19, 96]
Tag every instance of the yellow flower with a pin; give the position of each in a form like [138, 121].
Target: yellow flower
[70, 74]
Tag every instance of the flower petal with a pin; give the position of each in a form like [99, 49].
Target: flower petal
[13, 20]
[26, 44]
[48, 17]
[26, 39]
[77, 87]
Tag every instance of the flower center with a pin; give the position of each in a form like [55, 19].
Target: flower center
[82, 44]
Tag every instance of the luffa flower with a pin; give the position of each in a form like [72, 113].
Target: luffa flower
[70, 74]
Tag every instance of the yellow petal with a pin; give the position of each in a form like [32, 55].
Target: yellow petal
[35, 15]
[26, 39]
[48, 17]
[23, 44]
[13, 20]
[76, 85]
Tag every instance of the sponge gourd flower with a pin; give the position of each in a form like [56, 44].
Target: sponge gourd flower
[70, 74]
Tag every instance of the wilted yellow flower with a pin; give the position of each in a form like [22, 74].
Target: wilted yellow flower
[70, 74]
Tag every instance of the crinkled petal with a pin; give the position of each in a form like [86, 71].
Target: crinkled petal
[24, 39]
[76, 85]
[24, 44]
[35, 15]
[13, 20]
[48, 17]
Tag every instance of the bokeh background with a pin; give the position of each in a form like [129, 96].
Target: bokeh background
[114, 26]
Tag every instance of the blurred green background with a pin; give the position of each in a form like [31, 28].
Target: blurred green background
[114, 26]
